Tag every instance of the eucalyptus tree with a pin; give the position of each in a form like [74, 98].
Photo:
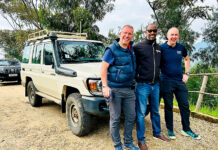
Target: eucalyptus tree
[180, 14]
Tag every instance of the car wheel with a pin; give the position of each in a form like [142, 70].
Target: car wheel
[79, 121]
[34, 99]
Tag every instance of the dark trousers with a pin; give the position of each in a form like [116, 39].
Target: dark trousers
[122, 99]
[168, 88]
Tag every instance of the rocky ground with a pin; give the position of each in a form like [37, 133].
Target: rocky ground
[23, 127]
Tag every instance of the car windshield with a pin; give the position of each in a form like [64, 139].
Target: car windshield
[79, 51]
[9, 63]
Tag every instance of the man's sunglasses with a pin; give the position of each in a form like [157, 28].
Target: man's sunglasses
[155, 30]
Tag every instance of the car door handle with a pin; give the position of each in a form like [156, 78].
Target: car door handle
[23, 69]
[53, 74]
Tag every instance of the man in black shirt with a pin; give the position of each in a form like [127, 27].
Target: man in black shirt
[148, 55]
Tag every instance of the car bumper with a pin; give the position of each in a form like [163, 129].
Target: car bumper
[95, 105]
[9, 77]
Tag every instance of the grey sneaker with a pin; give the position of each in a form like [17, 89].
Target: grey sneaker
[130, 147]
[171, 134]
[191, 134]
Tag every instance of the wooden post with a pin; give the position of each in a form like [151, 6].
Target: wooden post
[201, 94]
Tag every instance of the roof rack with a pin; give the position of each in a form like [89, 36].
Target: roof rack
[46, 34]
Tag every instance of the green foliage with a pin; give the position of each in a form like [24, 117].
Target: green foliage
[204, 109]
[195, 82]
[13, 42]
[209, 55]
[60, 15]
[20, 14]
[111, 37]
[139, 35]
[75, 15]
[180, 14]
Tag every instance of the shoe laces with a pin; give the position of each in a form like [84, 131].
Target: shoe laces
[192, 133]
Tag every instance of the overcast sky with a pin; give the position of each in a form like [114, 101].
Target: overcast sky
[133, 12]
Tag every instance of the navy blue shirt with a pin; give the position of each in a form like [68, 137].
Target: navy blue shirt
[171, 62]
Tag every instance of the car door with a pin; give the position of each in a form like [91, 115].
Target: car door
[48, 75]
[35, 67]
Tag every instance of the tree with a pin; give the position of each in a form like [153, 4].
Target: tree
[180, 14]
[139, 35]
[61, 15]
[20, 14]
[13, 42]
[111, 36]
[209, 56]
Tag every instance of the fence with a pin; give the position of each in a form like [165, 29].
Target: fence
[202, 90]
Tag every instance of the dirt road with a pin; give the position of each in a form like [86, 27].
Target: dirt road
[23, 127]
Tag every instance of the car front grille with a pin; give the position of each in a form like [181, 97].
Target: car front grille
[12, 70]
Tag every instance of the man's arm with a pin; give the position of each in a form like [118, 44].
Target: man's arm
[104, 68]
[187, 68]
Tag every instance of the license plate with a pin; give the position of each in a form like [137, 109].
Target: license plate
[12, 75]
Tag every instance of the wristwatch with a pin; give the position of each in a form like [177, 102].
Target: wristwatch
[103, 86]
[187, 73]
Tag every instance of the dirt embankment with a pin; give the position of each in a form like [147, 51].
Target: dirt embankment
[23, 127]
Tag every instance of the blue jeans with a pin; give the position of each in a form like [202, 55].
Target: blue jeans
[168, 88]
[142, 92]
[122, 99]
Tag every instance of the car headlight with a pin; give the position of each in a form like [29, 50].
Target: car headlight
[94, 86]
[1, 70]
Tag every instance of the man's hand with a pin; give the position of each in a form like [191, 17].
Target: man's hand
[106, 92]
[185, 78]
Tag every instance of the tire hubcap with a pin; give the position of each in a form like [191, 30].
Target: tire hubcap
[74, 115]
[31, 94]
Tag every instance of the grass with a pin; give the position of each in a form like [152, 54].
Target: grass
[203, 109]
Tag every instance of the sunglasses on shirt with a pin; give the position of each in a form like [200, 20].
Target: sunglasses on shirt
[155, 30]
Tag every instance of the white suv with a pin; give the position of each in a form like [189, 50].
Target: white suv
[65, 68]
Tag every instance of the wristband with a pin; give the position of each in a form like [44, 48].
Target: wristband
[103, 86]
[187, 73]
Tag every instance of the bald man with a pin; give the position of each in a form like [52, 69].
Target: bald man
[173, 82]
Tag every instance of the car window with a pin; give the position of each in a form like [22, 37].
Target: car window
[79, 51]
[26, 54]
[9, 63]
[37, 54]
[48, 58]
[4, 63]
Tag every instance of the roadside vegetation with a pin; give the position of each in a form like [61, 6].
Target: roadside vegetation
[204, 108]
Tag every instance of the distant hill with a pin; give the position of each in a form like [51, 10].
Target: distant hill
[200, 45]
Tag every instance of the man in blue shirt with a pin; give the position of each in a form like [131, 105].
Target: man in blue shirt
[173, 82]
[117, 74]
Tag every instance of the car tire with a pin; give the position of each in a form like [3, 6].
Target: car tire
[79, 121]
[34, 99]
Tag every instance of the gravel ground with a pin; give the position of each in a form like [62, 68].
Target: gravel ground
[23, 127]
